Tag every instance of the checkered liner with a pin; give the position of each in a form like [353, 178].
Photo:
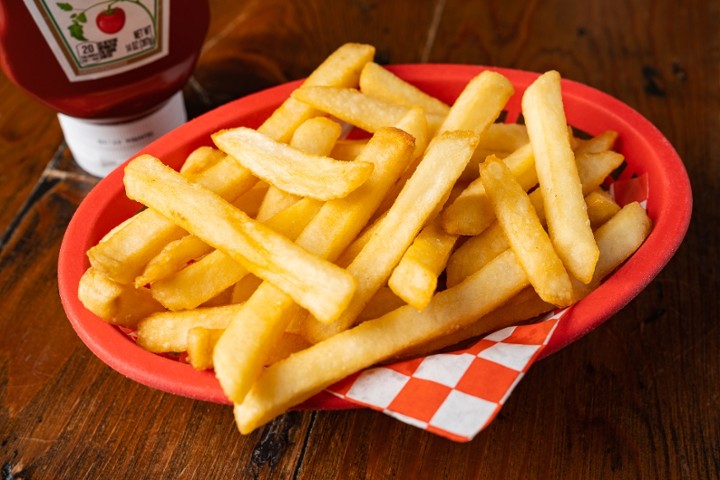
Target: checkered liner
[456, 395]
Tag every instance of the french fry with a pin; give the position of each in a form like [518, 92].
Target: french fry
[348, 149]
[200, 160]
[599, 143]
[601, 207]
[298, 377]
[381, 83]
[315, 136]
[261, 250]
[245, 345]
[525, 234]
[524, 306]
[168, 331]
[471, 212]
[568, 223]
[415, 277]
[200, 345]
[352, 106]
[340, 69]
[479, 104]
[217, 271]
[172, 258]
[290, 169]
[480, 249]
[115, 303]
[123, 253]
[428, 188]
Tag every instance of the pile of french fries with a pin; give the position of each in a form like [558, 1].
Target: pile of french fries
[288, 257]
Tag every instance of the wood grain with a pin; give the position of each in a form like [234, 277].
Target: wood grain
[636, 398]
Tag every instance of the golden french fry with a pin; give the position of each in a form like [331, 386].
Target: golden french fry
[290, 169]
[567, 219]
[217, 271]
[504, 137]
[172, 258]
[415, 277]
[340, 69]
[479, 104]
[200, 345]
[298, 377]
[524, 306]
[617, 239]
[245, 345]
[601, 207]
[471, 212]
[599, 143]
[315, 136]
[352, 106]
[480, 249]
[428, 188]
[115, 303]
[200, 160]
[123, 253]
[316, 284]
[526, 235]
[168, 331]
[348, 149]
[381, 83]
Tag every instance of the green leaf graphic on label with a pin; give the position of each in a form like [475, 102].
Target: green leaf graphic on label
[76, 31]
[65, 6]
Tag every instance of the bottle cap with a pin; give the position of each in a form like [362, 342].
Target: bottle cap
[100, 146]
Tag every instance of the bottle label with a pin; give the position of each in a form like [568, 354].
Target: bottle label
[93, 39]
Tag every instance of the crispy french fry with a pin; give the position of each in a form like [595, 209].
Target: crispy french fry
[617, 239]
[480, 249]
[471, 212]
[298, 377]
[290, 169]
[290, 381]
[599, 143]
[200, 345]
[526, 235]
[352, 106]
[172, 258]
[381, 83]
[316, 284]
[168, 331]
[348, 149]
[115, 303]
[340, 69]
[504, 137]
[315, 136]
[215, 272]
[200, 160]
[245, 345]
[524, 306]
[123, 253]
[428, 188]
[479, 104]
[601, 207]
[568, 223]
[415, 277]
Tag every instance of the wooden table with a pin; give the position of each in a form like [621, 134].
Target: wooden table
[637, 398]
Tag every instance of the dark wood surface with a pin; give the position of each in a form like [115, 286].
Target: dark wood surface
[637, 398]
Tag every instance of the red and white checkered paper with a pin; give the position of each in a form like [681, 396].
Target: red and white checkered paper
[456, 395]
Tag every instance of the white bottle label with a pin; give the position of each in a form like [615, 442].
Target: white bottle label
[93, 39]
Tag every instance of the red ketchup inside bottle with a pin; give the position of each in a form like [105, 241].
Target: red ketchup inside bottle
[113, 70]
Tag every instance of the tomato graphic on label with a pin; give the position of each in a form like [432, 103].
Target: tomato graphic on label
[111, 20]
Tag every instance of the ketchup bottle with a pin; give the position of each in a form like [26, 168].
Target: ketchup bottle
[113, 70]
